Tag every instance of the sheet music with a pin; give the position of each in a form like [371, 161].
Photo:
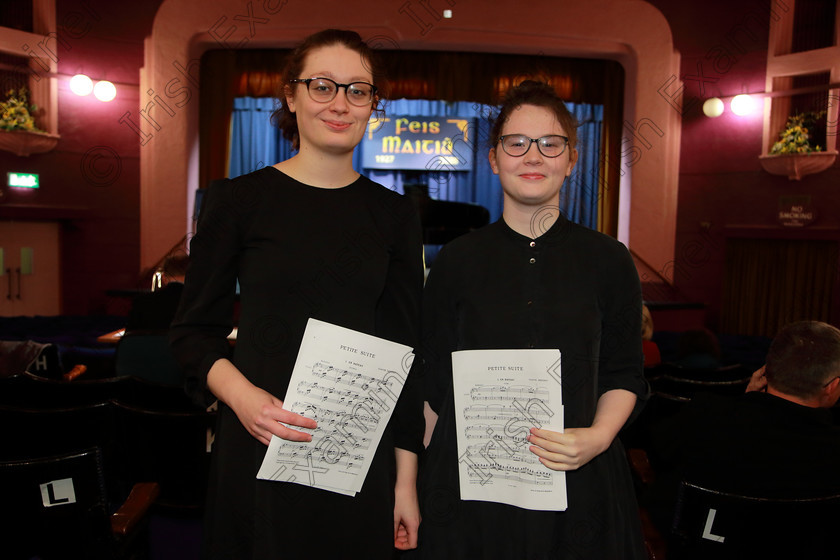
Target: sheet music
[349, 383]
[499, 396]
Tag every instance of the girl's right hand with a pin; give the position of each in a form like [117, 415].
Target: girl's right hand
[260, 412]
[263, 415]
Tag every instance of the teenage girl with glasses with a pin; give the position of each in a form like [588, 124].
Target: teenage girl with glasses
[535, 280]
[307, 237]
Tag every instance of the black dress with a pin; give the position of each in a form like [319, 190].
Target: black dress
[350, 256]
[572, 289]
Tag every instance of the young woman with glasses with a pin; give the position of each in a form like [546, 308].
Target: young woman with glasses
[307, 237]
[535, 280]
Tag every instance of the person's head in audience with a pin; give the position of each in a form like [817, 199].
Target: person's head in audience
[698, 349]
[803, 364]
[649, 347]
[175, 268]
[647, 323]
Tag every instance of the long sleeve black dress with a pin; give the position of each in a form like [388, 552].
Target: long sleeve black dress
[573, 289]
[350, 256]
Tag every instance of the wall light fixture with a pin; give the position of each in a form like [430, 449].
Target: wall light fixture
[713, 107]
[81, 85]
[104, 91]
[742, 105]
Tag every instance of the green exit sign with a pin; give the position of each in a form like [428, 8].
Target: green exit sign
[23, 180]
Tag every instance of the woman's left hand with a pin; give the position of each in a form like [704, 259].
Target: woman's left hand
[406, 517]
[569, 450]
[575, 447]
[406, 504]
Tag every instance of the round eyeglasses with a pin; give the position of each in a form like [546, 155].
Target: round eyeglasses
[517, 145]
[324, 90]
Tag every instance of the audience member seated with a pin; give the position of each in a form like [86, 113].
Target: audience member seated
[778, 439]
[153, 312]
[698, 349]
[649, 347]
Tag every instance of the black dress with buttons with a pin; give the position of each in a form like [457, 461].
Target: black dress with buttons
[572, 289]
[350, 256]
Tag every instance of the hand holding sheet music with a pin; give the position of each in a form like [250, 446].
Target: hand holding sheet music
[499, 396]
[349, 383]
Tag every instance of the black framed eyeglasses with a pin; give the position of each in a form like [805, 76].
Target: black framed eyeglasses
[517, 145]
[324, 90]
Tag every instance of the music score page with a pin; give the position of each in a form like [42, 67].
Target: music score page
[349, 383]
[499, 396]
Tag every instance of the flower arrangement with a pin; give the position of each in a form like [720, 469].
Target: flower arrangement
[16, 112]
[795, 138]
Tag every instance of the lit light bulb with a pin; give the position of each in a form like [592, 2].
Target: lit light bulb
[713, 107]
[104, 91]
[81, 85]
[742, 105]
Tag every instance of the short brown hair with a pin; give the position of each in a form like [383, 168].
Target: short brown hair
[284, 119]
[803, 357]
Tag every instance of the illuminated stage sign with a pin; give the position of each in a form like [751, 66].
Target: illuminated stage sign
[419, 143]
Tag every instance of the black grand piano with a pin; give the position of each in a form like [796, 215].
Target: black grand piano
[442, 220]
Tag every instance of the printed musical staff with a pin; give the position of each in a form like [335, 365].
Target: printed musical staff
[499, 396]
[349, 383]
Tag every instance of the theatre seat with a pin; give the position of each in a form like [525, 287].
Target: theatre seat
[679, 383]
[168, 446]
[33, 391]
[58, 507]
[712, 524]
[42, 432]
[671, 387]
[148, 356]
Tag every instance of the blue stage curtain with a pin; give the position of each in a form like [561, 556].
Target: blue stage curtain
[579, 195]
[256, 143]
